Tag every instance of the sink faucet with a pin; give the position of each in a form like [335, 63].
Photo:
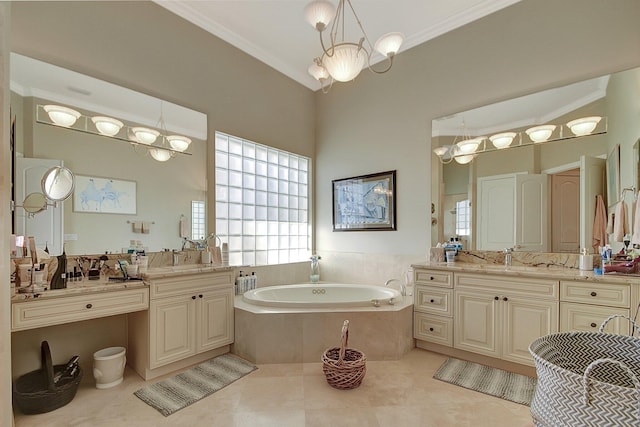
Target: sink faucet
[193, 243]
[403, 288]
[176, 258]
[507, 256]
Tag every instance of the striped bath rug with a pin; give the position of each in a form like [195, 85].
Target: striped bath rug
[180, 391]
[495, 382]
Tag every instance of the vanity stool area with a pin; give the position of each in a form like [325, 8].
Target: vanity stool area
[490, 314]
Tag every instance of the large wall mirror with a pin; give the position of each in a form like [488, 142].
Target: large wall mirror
[155, 198]
[471, 202]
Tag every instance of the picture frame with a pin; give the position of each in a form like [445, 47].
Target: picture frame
[365, 203]
[104, 195]
[613, 176]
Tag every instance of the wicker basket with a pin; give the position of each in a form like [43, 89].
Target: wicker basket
[36, 392]
[587, 379]
[344, 367]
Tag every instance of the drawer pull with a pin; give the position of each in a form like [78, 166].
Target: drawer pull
[432, 278]
[200, 296]
[89, 305]
[432, 301]
[593, 325]
[593, 294]
[193, 297]
[430, 329]
[505, 299]
[496, 298]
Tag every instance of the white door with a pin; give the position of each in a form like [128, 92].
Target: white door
[591, 184]
[565, 211]
[496, 207]
[47, 226]
[532, 213]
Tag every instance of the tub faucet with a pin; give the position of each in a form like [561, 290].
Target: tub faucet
[403, 288]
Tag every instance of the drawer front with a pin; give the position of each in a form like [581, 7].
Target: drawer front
[436, 301]
[437, 278]
[608, 294]
[510, 285]
[434, 329]
[172, 286]
[55, 311]
[586, 317]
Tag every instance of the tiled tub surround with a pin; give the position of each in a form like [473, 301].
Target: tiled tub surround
[288, 335]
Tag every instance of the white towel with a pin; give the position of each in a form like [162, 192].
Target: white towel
[635, 239]
[184, 231]
[146, 227]
[137, 226]
[620, 225]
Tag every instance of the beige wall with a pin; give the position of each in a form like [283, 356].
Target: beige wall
[379, 123]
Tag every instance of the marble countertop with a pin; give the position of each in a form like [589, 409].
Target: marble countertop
[181, 270]
[557, 273]
[81, 287]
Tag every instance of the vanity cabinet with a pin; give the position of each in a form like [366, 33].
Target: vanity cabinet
[500, 316]
[585, 305]
[190, 315]
[433, 306]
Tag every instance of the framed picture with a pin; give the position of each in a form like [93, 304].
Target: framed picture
[104, 195]
[365, 202]
[613, 176]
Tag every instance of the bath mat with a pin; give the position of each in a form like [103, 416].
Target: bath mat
[495, 382]
[180, 391]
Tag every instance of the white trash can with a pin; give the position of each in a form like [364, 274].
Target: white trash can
[108, 366]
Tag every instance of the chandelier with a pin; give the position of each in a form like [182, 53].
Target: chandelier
[343, 60]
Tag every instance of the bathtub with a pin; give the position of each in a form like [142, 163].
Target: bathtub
[325, 295]
[297, 323]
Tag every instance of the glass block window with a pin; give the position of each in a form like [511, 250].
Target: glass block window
[198, 220]
[463, 218]
[262, 202]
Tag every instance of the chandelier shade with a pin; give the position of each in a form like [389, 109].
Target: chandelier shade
[160, 154]
[346, 61]
[318, 72]
[62, 116]
[389, 44]
[319, 14]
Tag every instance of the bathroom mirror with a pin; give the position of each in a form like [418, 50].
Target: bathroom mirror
[455, 186]
[162, 191]
[58, 183]
[34, 203]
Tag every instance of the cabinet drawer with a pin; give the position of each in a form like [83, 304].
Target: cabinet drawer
[441, 279]
[586, 317]
[172, 286]
[434, 300]
[55, 311]
[434, 329]
[509, 285]
[608, 294]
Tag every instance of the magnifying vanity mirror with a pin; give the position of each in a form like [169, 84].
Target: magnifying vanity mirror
[472, 201]
[34, 203]
[57, 185]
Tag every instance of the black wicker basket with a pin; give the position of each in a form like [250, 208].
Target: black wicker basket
[36, 392]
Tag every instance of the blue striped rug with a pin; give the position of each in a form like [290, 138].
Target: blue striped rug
[180, 391]
[495, 382]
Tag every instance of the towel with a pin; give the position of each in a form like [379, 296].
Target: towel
[146, 227]
[620, 227]
[600, 237]
[184, 232]
[635, 239]
[137, 226]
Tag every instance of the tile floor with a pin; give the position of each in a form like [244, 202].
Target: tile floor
[394, 393]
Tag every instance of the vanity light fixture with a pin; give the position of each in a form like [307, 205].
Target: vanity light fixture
[584, 125]
[62, 116]
[502, 140]
[145, 135]
[178, 142]
[468, 146]
[461, 157]
[106, 125]
[160, 154]
[540, 133]
[343, 60]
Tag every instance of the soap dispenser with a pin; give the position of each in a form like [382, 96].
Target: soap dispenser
[586, 260]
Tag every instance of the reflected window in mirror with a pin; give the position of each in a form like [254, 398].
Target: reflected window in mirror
[463, 218]
[198, 220]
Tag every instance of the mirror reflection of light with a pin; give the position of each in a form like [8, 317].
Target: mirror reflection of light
[145, 135]
[159, 154]
[584, 125]
[107, 125]
[540, 133]
[62, 116]
[502, 140]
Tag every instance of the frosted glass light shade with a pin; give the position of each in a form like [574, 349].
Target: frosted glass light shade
[62, 116]
[502, 140]
[319, 13]
[318, 72]
[346, 63]
[106, 125]
[540, 133]
[468, 146]
[160, 154]
[584, 125]
[463, 160]
[440, 151]
[179, 142]
[389, 44]
[145, 135]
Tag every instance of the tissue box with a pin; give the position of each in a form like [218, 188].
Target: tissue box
[436, 255]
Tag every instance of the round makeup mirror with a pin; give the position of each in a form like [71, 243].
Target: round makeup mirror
[34, 203]
[58, 183]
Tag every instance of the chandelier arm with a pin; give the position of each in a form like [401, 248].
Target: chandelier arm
[331, 50]
[364, 33]
[390, 62]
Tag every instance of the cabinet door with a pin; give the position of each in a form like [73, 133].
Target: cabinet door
[215, 319]
[526, 320]
[172, 330]
[475, 323]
